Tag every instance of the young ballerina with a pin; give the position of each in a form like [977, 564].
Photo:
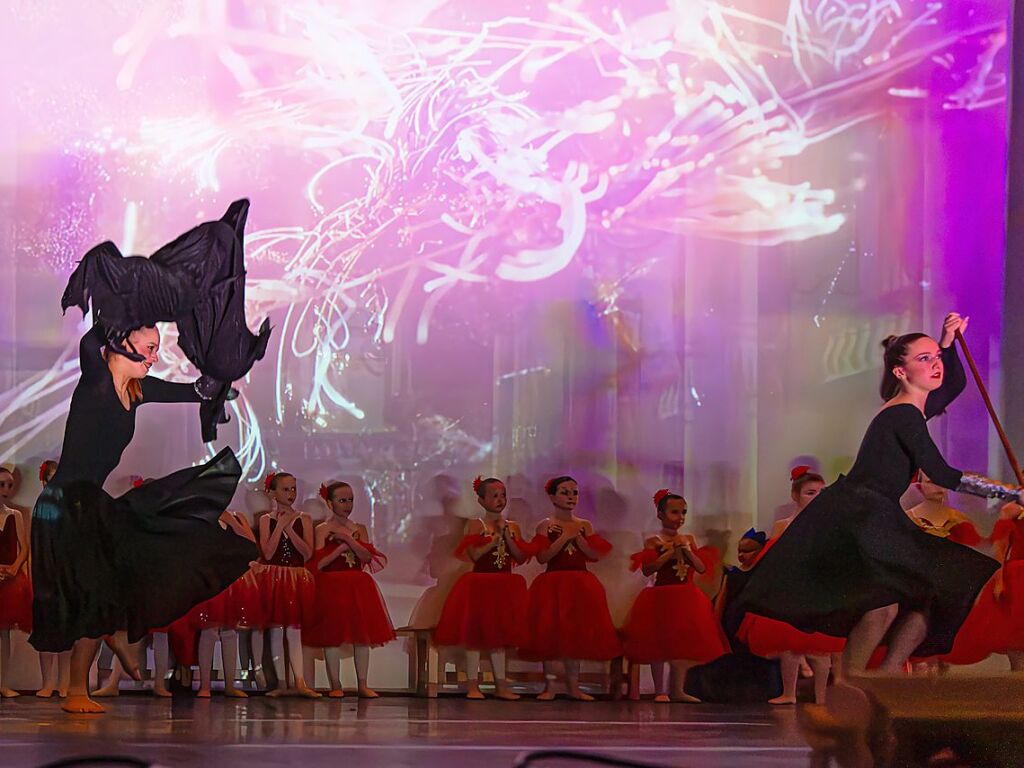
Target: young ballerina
[170, 553]
[773, 639]
[54, 668]
[853, 563]
[15, 592]
[934, 515]
[568, 617]
[287, 588]
[472, 618]
[238, 607]
[349, 608]
[672, 622]
[748, 548]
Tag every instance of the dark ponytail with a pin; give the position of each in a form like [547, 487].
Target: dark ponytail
[894, 356]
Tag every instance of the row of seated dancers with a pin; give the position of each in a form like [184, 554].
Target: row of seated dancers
[312, 589]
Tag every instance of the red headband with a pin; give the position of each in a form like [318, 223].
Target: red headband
[798, 472]
[661, 495]
[323, 493]
[268, 480]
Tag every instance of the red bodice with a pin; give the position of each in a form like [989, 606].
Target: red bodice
[286, 554]
[347, 561]
[570, 558]
[673, 572]
[498, 560]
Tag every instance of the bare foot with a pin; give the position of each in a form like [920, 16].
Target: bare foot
[367, 693]
[81, 705]
[662, 698]
[118, 643]
[783, 700]
[162, 692]
[108, 691]
[686, 698]
[580, 695]
[44, 693]
[546, 696]
[203, 693]
[9, 693]
[336, 694]
[231, 692]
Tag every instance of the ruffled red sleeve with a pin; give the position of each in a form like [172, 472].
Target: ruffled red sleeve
[526, 547]
[538, 544]
[638, 560]
[470, 541]
[965, 533]
[711, 557]
[599, 544]
[377, 558]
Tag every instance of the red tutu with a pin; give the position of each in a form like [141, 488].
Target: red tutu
[484, 611]
[769, 637]
[288, 596]
[673, 622]
[240, 605]
[348, 609]
[568, 618]
[16, 602]
[993, 626]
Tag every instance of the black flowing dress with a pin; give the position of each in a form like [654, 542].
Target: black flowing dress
[142, 560]
[854, 549]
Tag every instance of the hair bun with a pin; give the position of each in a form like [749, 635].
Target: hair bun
[889, 340]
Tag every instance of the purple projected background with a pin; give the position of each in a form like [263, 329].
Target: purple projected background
[647, 243]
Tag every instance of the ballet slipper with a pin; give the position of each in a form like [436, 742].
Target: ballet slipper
[161, 691]
[119, 645]
[336, 694]
[44, 693]
[475, 695]
[306, 692]
[231, 692]
[782, 700]
[506, 695]
[203, 693]
[662, 698]
[277, 693]
[546, 696]
[9, 693]
[686, 698]
[579, 695]
[81, 705]
[367, 693]
[108, 691]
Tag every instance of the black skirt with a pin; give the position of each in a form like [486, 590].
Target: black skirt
[137, 562]
[853, 550]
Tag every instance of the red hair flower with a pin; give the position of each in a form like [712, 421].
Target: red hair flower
[268, 480]
[797, 472]
[42, 472]
[477, 483]
[323, 492]
[661, 495]
[137, 481]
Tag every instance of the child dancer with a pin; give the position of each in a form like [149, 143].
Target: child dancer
[672, 621]
[287, 589]
[54, 668]
[568, 616]
[776, 639]
[747, 550]
[472, 617]
[349, 607]
[220, 618]
[15, 592]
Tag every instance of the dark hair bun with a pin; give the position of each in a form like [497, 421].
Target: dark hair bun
[888, 341]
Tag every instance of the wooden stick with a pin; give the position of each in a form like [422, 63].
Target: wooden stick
[991, 410]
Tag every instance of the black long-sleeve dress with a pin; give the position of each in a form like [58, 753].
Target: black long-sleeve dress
[142, 560]
[854, 549]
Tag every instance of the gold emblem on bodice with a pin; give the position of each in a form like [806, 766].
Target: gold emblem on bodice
[500, 554]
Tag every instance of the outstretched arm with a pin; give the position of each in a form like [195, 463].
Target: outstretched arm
[156, 390]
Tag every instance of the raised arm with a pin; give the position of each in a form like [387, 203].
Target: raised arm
[954, 380]
[90, 352]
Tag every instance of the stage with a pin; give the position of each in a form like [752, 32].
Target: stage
[397, 731]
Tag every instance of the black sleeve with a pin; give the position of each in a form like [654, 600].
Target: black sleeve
[913, 436]
[90, 352]
[156, 390]
[954, 381]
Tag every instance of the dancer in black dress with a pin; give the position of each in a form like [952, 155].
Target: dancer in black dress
[853, 564]
[105, 566]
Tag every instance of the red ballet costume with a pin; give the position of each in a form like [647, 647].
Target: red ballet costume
[487, 608]
[240, 606]
[769, 637]
[15, 591]
[672, 619]
[568, 614]
[996, 625]
[287, 589]
[348, 606]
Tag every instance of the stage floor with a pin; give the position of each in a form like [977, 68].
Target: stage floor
[397, 731]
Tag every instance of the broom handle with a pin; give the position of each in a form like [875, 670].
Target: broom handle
[991, 410]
